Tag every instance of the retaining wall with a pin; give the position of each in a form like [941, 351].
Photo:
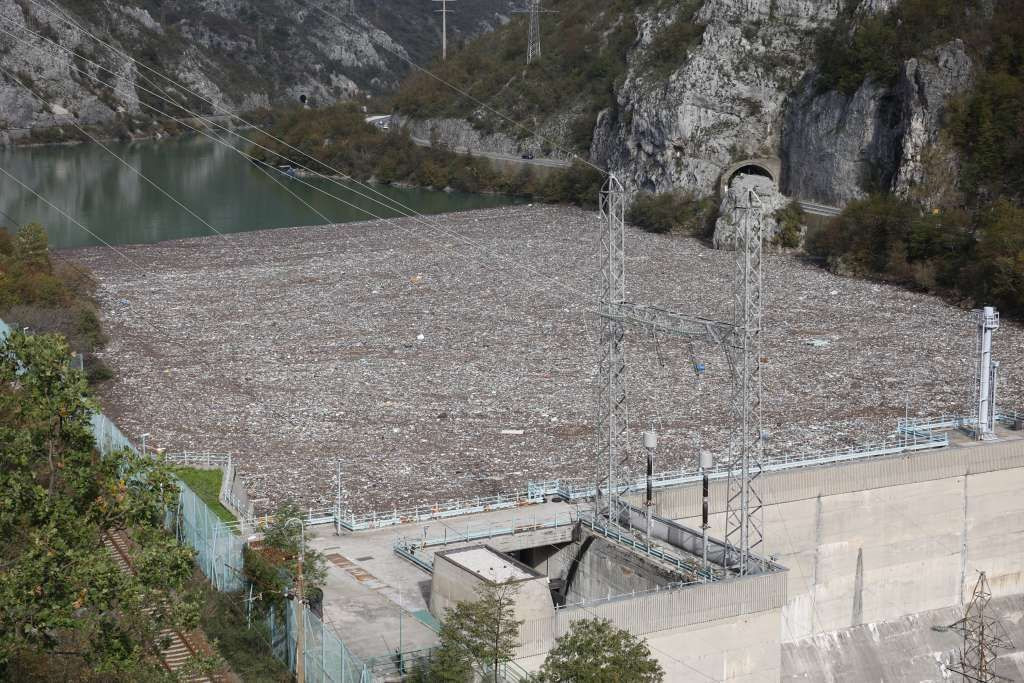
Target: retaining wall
[879, 539]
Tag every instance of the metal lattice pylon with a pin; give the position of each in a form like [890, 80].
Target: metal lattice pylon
[612, 367]
[744, 532]
[534, 10]
[982, 638]
[533, 42]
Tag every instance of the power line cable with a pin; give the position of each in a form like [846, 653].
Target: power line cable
[415, 215]
[387, 48]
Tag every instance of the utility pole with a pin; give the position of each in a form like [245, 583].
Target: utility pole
[976, 660]
[650, 445]
[444, 27]
[337, 501]
[300, 608]
[705, 465]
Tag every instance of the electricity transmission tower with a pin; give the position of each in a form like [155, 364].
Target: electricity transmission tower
[976, 660]
[743, 527]
[741, 342]
[444, 11]
[534, 10]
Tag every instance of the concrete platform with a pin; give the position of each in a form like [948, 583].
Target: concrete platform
[370, 589]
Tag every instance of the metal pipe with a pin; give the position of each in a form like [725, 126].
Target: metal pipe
[705, 465]
[650, 444]
[988, 322]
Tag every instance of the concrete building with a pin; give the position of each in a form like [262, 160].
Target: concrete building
[862, 550]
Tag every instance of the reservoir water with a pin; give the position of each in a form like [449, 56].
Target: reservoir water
[229, 192]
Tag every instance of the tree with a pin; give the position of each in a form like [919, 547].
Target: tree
[596, 651]
[478, 635]
[30, 247]
[67, 611]
[275, 565]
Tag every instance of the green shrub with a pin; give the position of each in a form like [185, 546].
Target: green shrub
[339, 138]
[578, 72]
[979, 256]
[859, 46]
[790, 219]
[670, 45]
[670, 211]
[35, 294]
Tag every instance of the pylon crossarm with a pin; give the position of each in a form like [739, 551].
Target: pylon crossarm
[654, 319]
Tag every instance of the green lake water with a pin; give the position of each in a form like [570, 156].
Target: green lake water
[226, 190]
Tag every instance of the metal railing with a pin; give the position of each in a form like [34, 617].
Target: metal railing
[680, 562]
[911, 436]
[406, 546]
[205, 460]
[477, 532]
[905, 442]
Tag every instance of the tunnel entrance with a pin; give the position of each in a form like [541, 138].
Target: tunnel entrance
[766, 168]
[750, 169]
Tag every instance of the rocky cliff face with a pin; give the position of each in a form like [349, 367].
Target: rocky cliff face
[725, 102]
[234, 53]
[836, 148]
[748, 90]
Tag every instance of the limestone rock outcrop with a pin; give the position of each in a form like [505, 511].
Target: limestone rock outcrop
[235, 54]
[836, 148]
[725, 102]
[769, 199]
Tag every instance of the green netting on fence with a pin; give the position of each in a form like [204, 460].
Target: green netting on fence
[218, 549]
[219, 555]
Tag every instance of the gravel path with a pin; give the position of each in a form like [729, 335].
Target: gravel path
[416, 357]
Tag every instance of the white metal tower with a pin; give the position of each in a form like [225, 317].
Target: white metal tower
[743, 526]
[533, 41]
[444, 11]
[741, 342]
[612, 367]
[533, 10]
[985, 375]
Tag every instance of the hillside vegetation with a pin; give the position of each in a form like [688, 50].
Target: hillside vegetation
[584, 58]
[67, 610]
[339, 140]
[977, 251]
[46, 297]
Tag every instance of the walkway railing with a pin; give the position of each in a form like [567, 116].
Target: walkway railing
[686, 564]
[908, 441]
[407, 546]
[910, 437]
[210, 461]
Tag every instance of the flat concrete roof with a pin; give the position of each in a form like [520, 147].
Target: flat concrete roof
[369, 589]
[489, 564]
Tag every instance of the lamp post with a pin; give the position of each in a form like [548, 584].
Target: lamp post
[144, 437]
[300, 658]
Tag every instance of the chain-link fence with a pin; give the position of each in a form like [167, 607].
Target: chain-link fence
[325, 657]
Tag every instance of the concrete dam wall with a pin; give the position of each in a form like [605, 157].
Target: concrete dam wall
[879, 539]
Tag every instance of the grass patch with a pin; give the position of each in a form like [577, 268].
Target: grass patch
[246, 650]
[206, 485]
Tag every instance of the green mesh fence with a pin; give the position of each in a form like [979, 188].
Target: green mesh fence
[219, 555]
